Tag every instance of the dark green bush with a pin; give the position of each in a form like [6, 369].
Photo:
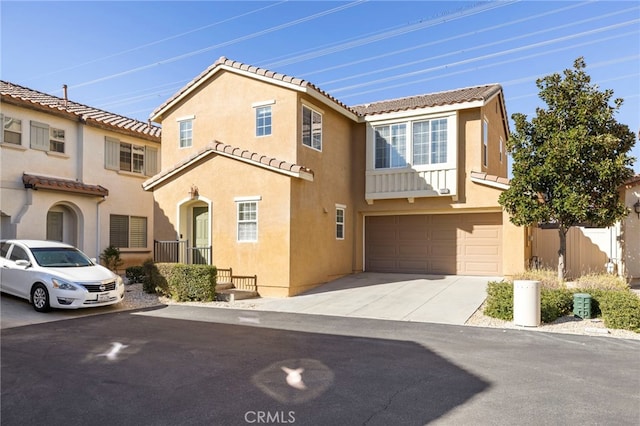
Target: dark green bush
[135, 274]
[620, 309]
[499, 302]
[555, 303]
[185, 283]
[153, 281]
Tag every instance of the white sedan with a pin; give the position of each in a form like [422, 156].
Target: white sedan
[55, 275]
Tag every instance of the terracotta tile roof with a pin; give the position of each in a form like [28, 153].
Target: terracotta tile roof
[277, 77]
[66, 185]
[635, 180]
[19, 95]
[451, 97]
[492, 180]
[240, 154]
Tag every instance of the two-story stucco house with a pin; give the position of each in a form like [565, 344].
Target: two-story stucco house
[74, 173]
[272, 176]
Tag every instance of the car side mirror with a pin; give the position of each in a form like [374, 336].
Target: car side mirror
[22, 262]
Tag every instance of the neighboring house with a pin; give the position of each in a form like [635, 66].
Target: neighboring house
[74, 173]
[272, 176]
[597, 250]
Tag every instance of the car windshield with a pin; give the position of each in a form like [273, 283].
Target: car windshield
[60, 257]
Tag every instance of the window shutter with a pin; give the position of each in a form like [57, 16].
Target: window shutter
[119, 231]
[138, 232]
[39, 136]
[151, 161]
[111, 153]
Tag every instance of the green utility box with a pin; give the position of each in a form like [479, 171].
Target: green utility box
[582, 305]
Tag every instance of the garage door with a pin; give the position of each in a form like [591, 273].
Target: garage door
[462, 244]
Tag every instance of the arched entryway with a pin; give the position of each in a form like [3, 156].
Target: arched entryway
[63, 224]
[195, 228]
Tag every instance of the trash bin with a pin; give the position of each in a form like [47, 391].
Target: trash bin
[582, 305]
[526, 303]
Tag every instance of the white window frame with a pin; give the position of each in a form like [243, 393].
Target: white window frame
[485, 142]
[501, 148]
[7, 122]
[409, 143]
[55, 140]
[184, 140]
[140, 152]
[240, 236]
[315, 128]
[340, 224]
[266, 129]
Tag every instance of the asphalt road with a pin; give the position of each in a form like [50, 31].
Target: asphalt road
[201, 366]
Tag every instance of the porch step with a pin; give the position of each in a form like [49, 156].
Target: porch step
[223, 286]
[232, 294]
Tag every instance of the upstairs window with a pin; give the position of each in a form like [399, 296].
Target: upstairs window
[263, 120]
[127, 157]
[12, 130]
[56, 140]
[391, 146]
[485, 142]
[311, 128]
[186, 133]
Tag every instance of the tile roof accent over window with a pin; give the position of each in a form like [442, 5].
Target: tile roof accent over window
[239, 154]
[451, 97]
[23, 96]
[36, 182]
[223, 63]
[635, 180]
[491, 180]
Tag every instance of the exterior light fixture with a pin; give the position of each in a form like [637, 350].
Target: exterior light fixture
[636, 208]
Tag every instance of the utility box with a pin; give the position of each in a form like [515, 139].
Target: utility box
[582, 305]
[526, 303]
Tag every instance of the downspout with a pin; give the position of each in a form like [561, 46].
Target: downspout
[98, 227]
[25, 207]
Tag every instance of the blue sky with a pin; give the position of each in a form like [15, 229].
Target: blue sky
[128, 57]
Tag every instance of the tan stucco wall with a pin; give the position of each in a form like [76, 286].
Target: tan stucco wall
[216, 179]
[316, 255]
[223, 111]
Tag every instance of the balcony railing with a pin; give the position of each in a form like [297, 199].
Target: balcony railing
[180, 252]
[409, 183]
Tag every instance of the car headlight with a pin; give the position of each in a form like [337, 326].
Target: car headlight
[119, 281]
[63, 285]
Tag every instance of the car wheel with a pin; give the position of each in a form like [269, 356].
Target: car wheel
[40, 298]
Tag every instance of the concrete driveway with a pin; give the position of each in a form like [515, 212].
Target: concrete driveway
[440, 299]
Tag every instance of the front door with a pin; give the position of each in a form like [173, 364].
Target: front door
[200, 235]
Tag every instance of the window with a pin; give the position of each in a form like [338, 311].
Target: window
[56, 140]
[121, 156]
[340, 222]
[127, 231]
[426, 144]
[501, 148]
[263, 121]
[311, 128]
[248, 221]
[186, 133]
[485, 142]
[12, 130]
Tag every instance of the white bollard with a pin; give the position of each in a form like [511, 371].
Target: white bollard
[526, 303]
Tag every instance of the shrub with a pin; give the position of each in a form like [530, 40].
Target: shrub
[602, 282]
[135, 274]
[548, 278]
[182, 282]
[153, 281]
[620, 309]
[555, 303]
[110, 258]
[499, 303]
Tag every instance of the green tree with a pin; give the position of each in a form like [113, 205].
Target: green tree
[570, 160]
